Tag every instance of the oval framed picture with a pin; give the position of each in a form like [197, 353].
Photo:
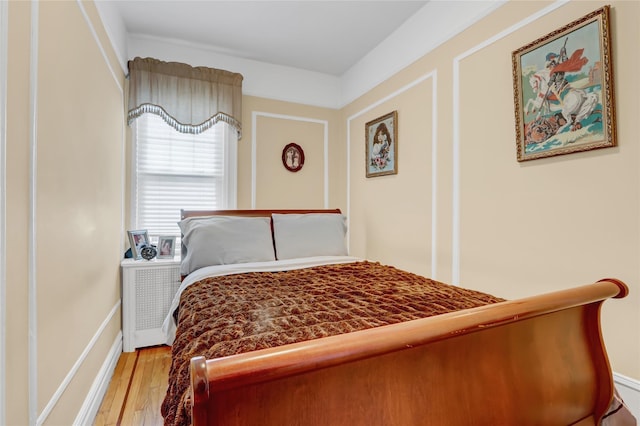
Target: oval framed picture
[292, 157]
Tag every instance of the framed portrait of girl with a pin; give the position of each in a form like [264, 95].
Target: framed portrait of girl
[382, 145]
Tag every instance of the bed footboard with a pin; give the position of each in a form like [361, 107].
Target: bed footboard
[539, 360]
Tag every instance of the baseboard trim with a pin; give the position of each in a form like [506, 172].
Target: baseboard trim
[92, 402]
[625, 381]
[629, 390]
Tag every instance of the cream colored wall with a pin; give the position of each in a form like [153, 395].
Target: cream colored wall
[571, 220]
[269, 125]
[77, 212]
[17, 214]
[508, 228]
[390, 216]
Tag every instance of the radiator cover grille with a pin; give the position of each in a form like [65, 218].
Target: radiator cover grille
[155, 288]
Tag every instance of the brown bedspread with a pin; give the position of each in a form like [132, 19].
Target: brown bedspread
[227, 315]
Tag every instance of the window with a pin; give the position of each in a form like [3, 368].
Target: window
[174, 171]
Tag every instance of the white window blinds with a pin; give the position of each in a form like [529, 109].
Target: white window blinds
[176, 171]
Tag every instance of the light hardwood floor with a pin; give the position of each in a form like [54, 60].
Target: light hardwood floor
[137, 388]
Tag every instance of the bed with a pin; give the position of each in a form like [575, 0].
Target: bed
[274, 324]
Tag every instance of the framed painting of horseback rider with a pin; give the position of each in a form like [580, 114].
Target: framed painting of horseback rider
[563, 90]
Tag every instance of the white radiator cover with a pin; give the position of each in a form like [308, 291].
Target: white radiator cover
[147, 290]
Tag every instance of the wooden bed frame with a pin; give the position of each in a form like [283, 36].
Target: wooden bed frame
[539, 360]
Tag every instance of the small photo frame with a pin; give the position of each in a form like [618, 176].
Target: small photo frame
[166, 247]
[137, 240]
[563, 90]
[293, 157]
[382, 145]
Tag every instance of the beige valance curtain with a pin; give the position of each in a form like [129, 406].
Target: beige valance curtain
[190, 99]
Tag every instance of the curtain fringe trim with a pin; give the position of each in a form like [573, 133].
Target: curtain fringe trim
[180, 127]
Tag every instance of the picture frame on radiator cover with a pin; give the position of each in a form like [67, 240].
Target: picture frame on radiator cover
[137, 240]
[166, 247]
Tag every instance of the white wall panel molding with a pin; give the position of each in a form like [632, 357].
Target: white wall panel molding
[4, 50]
[116, 31]
[114, 27]
[455, 264]
[431, 26]
[100, 46]
[254, 150]
[76, 366]
[433, 75]
[33, 161]
[91, 405]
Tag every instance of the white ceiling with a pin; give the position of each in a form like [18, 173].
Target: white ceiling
[328, 37]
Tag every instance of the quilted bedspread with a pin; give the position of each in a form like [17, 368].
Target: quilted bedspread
[227, 315]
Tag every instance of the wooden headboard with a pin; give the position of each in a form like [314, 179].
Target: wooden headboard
[194, 213]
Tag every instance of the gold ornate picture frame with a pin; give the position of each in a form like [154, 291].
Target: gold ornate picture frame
[563, 90]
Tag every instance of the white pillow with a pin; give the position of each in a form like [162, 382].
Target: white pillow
[222, 240]
[310, 234]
